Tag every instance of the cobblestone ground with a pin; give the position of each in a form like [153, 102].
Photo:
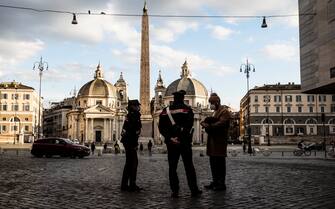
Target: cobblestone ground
[93, 182]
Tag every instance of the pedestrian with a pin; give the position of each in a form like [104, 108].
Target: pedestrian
[244, 145]
[217, 128]
[116, 148]
[176, 125]
[141, 147]
[129, 137]
[92, 148]
[149, 147]
[105, 146]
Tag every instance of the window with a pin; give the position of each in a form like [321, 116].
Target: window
[14, 128]
[288, 98]
[26, 128]
[322, 98]
[298, 98]
[266, 109]
[288, 109]
[27, 96]
[277, 109]
[15, 96]
[256, 98]
[256, 109]
[4, 107]
[332, 72]
[4, 128]
[322, 109]
[15, 107]
[98, 102]
[266, 98]
[277, 98]
[332, 108]
[26, 107]
[289, 130]
[310, 98]
[4, 96]
[333, 98]
[310, 109]
[299, 109]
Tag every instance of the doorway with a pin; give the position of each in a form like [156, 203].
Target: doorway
[98, 136]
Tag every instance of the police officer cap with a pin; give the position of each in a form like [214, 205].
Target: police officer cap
[134, 102]
[179, 93]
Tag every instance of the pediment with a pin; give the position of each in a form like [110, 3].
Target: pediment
[98, 109]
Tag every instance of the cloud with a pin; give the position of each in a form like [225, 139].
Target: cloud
[15, 51]
[169, 31]
[281, 51]
[220, 32]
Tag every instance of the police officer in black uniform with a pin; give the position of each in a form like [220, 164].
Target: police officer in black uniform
[130, 133]
[178, 132]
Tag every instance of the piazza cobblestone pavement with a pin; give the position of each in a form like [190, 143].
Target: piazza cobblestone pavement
[93, 182]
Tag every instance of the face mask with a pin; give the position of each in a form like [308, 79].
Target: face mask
[213, 107]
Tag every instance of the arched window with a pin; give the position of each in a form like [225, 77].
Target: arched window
[311, 127]
[289, 126]
[14, 119]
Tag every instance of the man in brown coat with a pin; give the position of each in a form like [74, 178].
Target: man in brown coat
[217, 128]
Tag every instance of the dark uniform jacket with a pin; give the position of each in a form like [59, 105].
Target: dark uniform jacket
[218, 132]
[131, 129]
[183, 117]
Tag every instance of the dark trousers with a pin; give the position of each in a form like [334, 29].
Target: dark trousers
[130, 168]
[218, 168]
[174, 152]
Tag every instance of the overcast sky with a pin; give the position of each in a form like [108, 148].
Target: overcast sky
[214, 48]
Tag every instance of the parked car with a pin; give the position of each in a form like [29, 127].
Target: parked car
[58, 146]
[75, 141]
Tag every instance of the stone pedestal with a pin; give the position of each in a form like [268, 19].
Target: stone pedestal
[147, 130]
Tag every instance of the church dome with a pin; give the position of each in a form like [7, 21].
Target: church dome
[192, 86]
[97, 87]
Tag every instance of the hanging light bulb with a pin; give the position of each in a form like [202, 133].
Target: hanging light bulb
[264, 25]
[74, 20]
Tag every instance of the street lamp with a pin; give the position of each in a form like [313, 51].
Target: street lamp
[246, 68]
[41, 66]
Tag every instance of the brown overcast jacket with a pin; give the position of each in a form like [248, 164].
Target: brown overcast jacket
[218, 132]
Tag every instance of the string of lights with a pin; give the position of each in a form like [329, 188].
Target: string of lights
[74, 20]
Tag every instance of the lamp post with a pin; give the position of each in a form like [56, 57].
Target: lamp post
[246, 68]
[41, 67]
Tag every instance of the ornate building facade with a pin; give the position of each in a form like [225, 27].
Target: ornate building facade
[281, 113]
[18, 112]
[97, 113]
[196, 96]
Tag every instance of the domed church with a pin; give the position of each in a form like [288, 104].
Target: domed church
[99, 110]
[196, 97]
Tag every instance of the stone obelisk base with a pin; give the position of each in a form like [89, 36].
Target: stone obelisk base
[147, 131]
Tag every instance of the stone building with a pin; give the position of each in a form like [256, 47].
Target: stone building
[18, 112]
[317, 46]
[95, 114]
[283, 114]
[196, 96]
[54, 119]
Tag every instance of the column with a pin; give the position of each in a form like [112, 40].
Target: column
[85, 134]
[92, 130]
[104, 139]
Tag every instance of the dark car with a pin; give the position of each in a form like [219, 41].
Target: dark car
[58, 146]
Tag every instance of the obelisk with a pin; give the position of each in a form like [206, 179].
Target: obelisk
[146, 116]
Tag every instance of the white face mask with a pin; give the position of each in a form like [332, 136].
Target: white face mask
[213, 107]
